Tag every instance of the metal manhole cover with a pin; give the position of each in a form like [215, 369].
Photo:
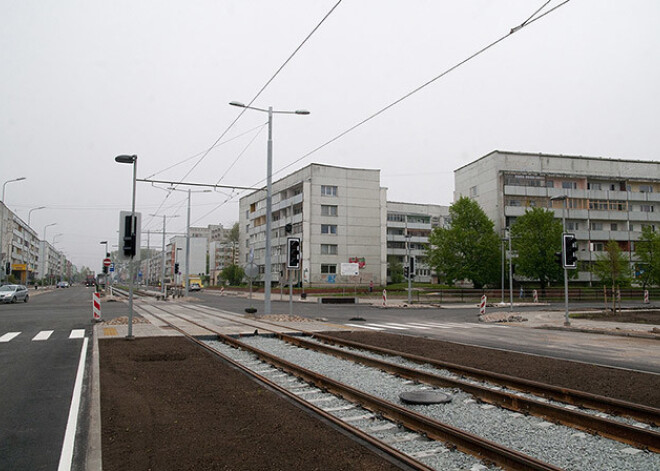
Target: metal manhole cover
[424, 397]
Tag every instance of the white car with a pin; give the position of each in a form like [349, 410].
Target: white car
[13, 293]
[195, 287]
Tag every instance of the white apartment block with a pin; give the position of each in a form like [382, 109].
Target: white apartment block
[175, 252]
[408, 228]
[341, 215]
[606, 199]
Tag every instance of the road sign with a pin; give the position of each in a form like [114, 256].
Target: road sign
[107, 262]
[350, 269]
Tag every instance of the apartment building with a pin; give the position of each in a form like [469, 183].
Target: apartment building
[601, 199]
[409, 226]
[341, 215]
[337, 212]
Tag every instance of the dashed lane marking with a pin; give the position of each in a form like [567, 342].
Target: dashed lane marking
[388, 326]
[43, 335]
[9, 336]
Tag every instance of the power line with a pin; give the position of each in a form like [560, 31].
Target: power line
[527, 22]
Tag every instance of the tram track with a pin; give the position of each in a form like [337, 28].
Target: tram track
[485, 450]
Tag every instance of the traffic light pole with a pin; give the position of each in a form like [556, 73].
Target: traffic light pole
[563, 223]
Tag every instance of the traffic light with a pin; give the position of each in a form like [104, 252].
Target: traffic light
[411, 263]
[558, 259]
[406, 271]
[569, 248]
[128, 241]
[293, 253]
[105, 269]
[8, 268]
[176, 268]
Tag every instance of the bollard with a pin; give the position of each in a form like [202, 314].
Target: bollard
[384, 297]
[482, 306]
[536, 296]
[96, 306]
[646, 296]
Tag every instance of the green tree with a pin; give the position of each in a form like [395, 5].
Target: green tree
[396, 270]
[612, 268]
[536, 236]
[469, 249]
[233, 274]
[647, 251]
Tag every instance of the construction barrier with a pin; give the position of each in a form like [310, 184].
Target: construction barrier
[536, 296]
[96, 306]
[646, 296]
[384, 297]
[482, 306]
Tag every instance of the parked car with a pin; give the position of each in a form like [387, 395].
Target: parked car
[13, 293]
[62, 284]
[195, 287]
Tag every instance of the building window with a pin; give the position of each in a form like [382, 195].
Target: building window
[473, 192]
[549, 184]
[328, 229]
[646, 188]
[328, 249]
[396, 217]
[597, 246]
[328, 210]
[614, 226]
[328, 190]
[646, 208]
[572, 226]
[328, 269]
[596, 226]
[594, 186]
[569, 185]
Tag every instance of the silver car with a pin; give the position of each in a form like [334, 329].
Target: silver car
[13, 293]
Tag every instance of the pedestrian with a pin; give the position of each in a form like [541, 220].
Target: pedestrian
[522, 292]
[371, 286]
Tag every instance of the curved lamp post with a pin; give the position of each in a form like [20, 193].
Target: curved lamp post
[2, 229]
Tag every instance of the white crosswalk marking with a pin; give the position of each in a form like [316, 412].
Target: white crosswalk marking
[388, 326]
[43, 335]
[365, 327]
[9, 336]
[426, 326]
[77, 334]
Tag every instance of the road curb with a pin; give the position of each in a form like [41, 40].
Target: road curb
[93, 460]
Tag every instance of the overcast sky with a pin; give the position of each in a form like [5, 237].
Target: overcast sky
[83, 81]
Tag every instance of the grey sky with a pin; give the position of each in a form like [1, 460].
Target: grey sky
[83, 81]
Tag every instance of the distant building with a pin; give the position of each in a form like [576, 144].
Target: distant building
[606, 199]
[341, 216]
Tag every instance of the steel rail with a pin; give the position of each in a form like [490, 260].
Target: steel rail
[642, 413]
[613, 429]
[464, 441]
[395, 454]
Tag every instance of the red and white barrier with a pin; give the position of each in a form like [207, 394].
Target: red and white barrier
[646, 296]
[384, 297]
[482, 306]
[536, 296]
[96, 306]
[222, 291]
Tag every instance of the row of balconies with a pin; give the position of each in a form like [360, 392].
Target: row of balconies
[635, 196]
[593, 214]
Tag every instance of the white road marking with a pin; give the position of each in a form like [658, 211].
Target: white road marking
[9, 336]
[66, 457]
[388, 326]
[407, 325]
[77, 334]
[364, 327]
[43, 335]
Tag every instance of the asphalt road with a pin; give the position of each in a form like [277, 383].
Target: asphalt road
[37, 375]
[461, 325]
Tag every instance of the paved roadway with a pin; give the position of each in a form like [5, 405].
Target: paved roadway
[461, 325]
[40, 348]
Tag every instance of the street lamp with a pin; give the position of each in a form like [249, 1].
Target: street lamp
[162, 268]
[34, 209]
[2, 229]
[130, 159]
[27, 264]
[564, 198]
[269, 192]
